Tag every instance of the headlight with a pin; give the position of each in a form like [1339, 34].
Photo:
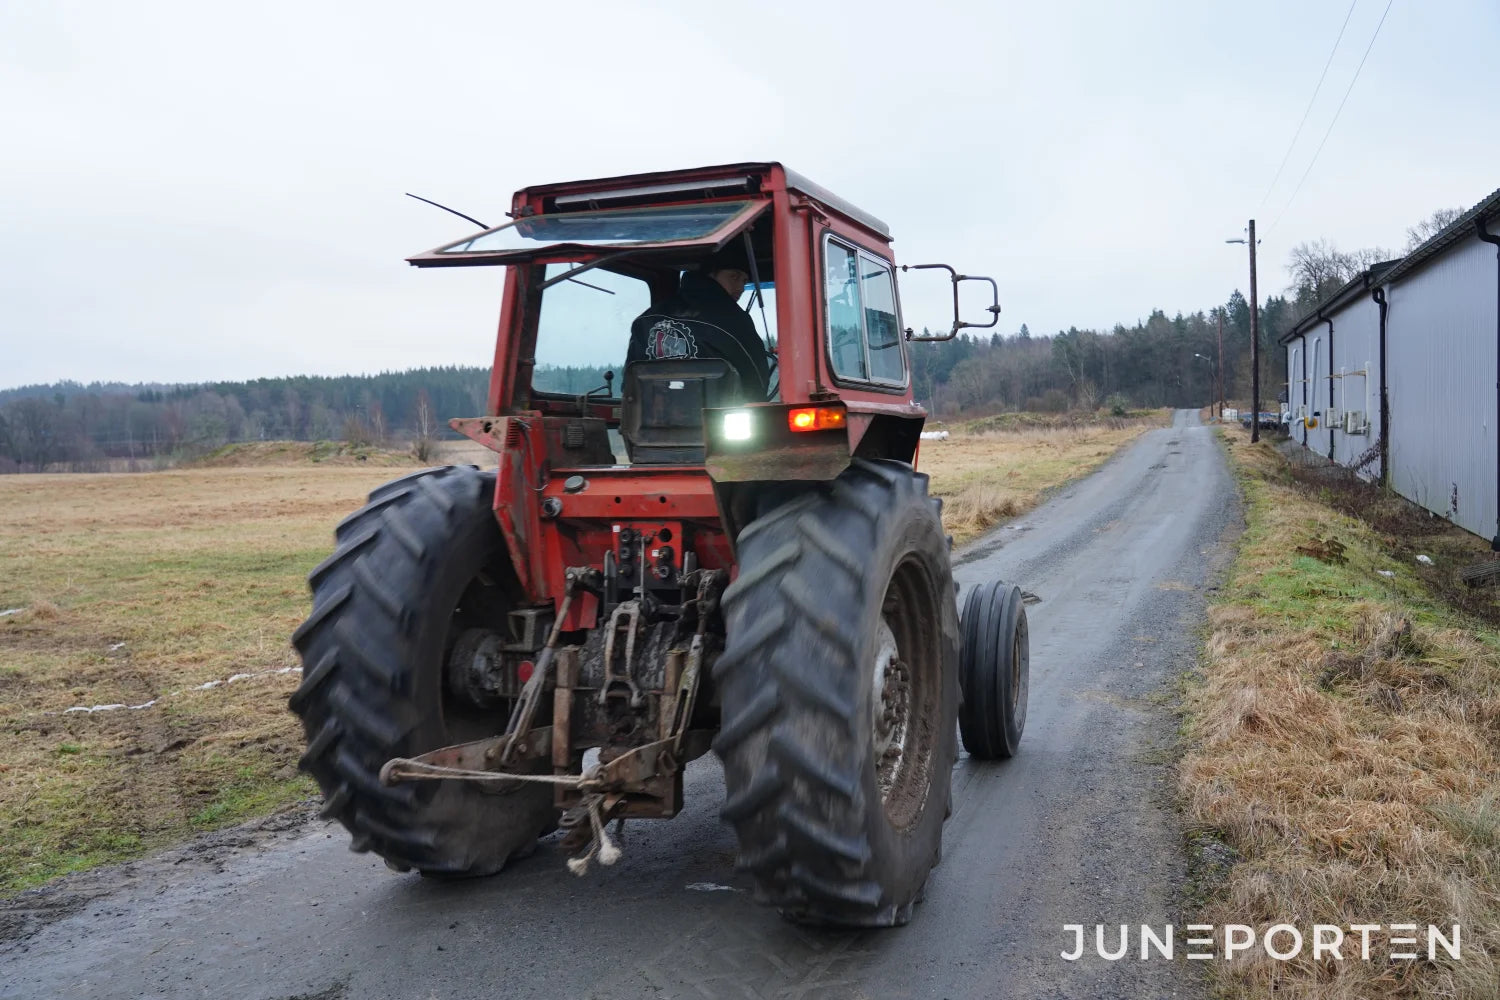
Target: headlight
[737, 425]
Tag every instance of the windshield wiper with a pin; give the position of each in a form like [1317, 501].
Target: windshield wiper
[569, 276]
[585, 284]
[565, 277]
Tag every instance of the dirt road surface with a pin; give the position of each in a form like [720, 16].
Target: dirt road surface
[1078, 829]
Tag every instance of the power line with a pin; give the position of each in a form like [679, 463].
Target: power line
[1336, 114]
[1312, 100]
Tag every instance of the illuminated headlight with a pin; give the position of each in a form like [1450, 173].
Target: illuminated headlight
[737, 425]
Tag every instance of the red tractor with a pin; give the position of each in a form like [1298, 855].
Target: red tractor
[688, 564]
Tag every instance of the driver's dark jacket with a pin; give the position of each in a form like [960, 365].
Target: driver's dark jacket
[702, 321]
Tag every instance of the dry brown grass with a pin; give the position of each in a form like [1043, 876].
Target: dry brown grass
[136, 587]
[986, 476]
[1345, 742]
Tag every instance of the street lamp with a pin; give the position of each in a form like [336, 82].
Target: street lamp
[1213, 381]
[1254, 339]
[1218, 384]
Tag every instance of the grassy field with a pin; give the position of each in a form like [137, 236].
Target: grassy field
[142, 587]
[1344, 740]
[181, 589]
[999, 467]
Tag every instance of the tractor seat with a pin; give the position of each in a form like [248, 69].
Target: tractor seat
[661, 411]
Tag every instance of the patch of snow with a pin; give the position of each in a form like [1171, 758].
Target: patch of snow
[709, 887]
[206, 686]
[11, 611]
[118, 645]
[1385, 572]
[1425, 560]
[90, 709]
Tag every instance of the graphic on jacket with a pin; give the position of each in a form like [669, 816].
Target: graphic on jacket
[669, 340]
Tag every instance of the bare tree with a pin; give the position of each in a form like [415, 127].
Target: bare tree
[1318, 268]
[1318, 263]
[1431, 226]
[377, 422]
[356, 431]
[34, 431]
[425, 443]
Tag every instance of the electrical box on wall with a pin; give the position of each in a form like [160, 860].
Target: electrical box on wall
[1355, 423]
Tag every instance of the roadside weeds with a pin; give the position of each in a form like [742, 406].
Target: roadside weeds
[1343, 752]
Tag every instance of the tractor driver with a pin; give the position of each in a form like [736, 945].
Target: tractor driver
[704, 320]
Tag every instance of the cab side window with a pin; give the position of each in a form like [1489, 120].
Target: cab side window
[882, 331]
[864, 333]
[841, 292]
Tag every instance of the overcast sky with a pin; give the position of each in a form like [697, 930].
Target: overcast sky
[194, 191]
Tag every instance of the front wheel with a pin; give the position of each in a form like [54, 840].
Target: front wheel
[839, 686]
[996, 670]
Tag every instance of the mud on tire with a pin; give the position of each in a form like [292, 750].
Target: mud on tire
[833, 826]
[423, 554]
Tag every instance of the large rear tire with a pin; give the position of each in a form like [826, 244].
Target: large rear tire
[839, 687]
[422, 559]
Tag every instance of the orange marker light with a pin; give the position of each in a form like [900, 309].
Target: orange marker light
[815, 418]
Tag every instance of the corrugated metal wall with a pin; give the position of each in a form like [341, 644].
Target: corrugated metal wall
[1440, 348]
[1356, 382]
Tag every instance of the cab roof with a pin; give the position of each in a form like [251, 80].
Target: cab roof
[725, 180]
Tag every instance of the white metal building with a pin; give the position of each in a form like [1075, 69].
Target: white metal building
[1333, 374]
[1397, 373]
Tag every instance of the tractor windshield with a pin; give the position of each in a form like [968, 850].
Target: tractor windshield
[584, 324]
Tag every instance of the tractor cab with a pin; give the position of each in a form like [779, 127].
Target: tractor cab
[819, 310]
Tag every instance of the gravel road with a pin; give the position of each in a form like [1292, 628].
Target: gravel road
[1078, 829]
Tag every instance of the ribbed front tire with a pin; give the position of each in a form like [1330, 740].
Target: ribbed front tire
[995, 670]
[839, 687]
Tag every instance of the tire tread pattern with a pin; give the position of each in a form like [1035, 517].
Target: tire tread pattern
[358, 697]
[789, 681]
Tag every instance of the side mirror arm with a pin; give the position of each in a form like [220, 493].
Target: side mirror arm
[958, 324]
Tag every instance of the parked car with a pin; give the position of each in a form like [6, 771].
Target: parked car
[1268, 421]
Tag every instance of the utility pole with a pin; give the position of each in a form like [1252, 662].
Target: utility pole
[1254, 346]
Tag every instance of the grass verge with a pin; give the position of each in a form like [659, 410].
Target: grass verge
[1344, 748]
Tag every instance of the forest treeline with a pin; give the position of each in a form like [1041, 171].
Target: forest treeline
[1159, 361]
[85, 428]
